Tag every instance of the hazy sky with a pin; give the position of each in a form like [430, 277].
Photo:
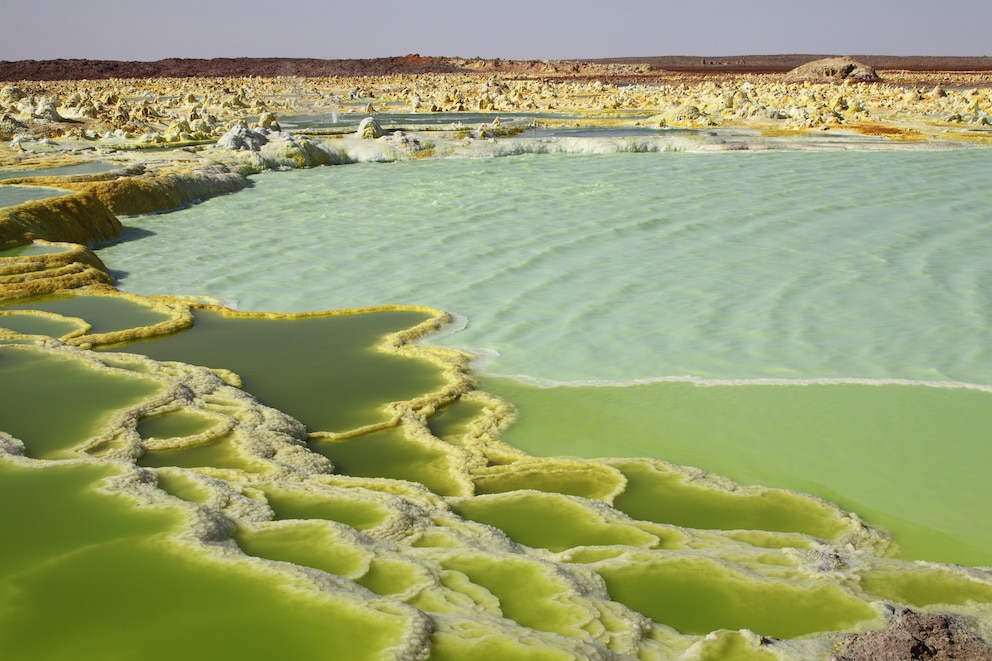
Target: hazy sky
[512, 29]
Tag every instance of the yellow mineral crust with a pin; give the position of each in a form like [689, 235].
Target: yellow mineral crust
[175, 317]
[147, 188]
[78, 218]
[72, 267]
[556, 571]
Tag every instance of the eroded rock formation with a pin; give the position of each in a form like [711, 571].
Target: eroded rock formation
[834, 70]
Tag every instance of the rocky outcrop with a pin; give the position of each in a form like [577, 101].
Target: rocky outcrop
[10, 127]
[241, 137]
[833, 70]
[369, 129]
[917, 637]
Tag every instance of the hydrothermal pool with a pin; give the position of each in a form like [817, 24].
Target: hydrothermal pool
[907, 457]
[545, 565]
[848, 280]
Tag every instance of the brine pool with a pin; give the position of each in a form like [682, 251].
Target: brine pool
[818, 321]
[815, 322]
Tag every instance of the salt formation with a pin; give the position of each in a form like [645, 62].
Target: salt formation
[242, 137]
[838, 92]
[369, 129]
[561, 555]
[69, 266]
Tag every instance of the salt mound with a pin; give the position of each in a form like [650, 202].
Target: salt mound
[833, 70]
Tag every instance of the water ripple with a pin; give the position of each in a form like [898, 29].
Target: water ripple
[617, 267]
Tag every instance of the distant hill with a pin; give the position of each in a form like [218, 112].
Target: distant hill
[75, 69]
[785, 63]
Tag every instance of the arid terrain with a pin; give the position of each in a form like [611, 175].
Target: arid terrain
[652, 69]
[165, 134]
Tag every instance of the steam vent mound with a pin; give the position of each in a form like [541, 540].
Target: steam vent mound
[833, 70]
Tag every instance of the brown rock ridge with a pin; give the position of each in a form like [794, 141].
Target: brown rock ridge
[413, 64]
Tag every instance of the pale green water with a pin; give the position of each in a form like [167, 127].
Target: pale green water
[622, 266]
[13, 195]
[615, 268]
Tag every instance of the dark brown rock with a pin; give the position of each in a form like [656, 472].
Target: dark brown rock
[413, 64]
[916, 636]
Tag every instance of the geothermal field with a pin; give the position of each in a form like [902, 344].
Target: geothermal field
[442, 358]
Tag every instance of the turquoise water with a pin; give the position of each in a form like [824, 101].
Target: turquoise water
[850, 268]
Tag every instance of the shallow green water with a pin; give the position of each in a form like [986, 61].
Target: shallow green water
[38, 325]
[310, 544]
[221, 453]
[105, 314]
[84, 559]
[358, 514]
[526, 593]
[910, 459]
[698, 596]
[175, 424]
[31, 249]
[53, 403]
[390, 454]
[322, 371]
[550, 521]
